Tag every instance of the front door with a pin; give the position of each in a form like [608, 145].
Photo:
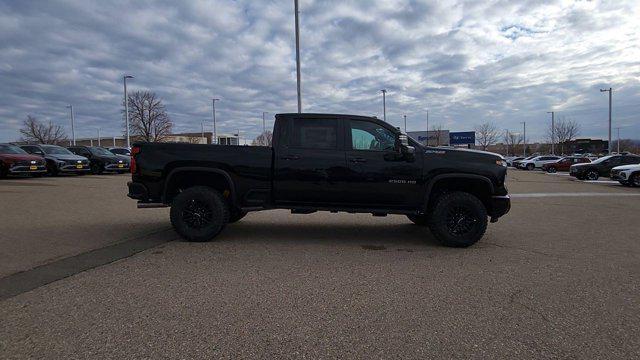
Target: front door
[310, 167]
[379, 177]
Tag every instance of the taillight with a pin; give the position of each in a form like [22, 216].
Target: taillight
[134, 151]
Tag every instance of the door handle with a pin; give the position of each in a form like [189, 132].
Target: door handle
[358, 160]
[290, 157]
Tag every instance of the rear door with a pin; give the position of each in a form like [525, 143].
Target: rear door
[310, 163]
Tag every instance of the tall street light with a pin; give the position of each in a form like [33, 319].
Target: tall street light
[405, 124]
[215, 134]
[524, 139]
[553, 131]
[295, 4]
[384, 104]
[202, 130]
[73, 130]
[618, 128]
[610, 95]
[126, 108]
[507, 141]
[98, 136]
[264, 124]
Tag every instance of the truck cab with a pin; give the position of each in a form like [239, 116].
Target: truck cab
[323, 162]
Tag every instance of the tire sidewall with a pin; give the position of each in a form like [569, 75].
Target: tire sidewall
[217, 205]
[634, 180]
[437, 221]
[593, 178]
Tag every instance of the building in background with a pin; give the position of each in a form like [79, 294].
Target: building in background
[431, 137]
[593, 146]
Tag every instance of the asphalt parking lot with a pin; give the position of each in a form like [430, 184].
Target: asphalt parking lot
[556, 277]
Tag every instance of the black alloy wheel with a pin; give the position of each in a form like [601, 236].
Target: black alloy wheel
[458, 219]
[199, 213]
[96, 168]
[592, 175]
[635, 180]
[552, 169]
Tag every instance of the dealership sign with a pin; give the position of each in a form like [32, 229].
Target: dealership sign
[462, 138]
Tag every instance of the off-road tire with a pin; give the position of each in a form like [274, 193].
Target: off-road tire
[420, 220]
[236, 215]
[458, 219]
[195, 204]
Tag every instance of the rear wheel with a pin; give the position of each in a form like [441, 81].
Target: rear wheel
[592, 175]
[459, 219]
[635, 180]
[199, 213]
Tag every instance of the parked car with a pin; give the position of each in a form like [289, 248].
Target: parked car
[512, 159]
[15, 161]
[601, 166]
[538, 161]
[122, 153]
[323, 162]
[58, 159]
[101, 159]
[516, 163]
[628, 175]
[564, 164]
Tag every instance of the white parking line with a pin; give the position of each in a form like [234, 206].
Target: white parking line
[600, 181]
[540, 195]
[558, 174]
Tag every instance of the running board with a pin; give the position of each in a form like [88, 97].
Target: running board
[144, 205]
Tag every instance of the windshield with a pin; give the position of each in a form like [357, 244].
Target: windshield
[602, 159]
[100, 151]
[56, 150]
[11, 149]
[120, 151]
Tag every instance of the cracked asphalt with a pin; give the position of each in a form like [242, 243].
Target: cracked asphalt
[555, 278]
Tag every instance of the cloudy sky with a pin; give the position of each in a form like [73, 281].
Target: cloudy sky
[464, 62]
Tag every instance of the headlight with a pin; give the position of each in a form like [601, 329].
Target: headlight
[501, 163]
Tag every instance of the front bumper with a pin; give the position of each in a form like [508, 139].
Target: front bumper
[117, 167]
[500, 206]
[75, 168]
[618, 176]
[27, 169]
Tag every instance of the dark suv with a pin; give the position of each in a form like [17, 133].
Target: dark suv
[59, 160]
[602, 166]
[101, 159]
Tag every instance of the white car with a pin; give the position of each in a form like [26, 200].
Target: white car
[538, 161]
[628, 175]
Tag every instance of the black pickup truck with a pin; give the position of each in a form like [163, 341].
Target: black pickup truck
[337, 163]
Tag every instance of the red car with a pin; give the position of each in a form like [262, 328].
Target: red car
[15, 161]
[564, 164]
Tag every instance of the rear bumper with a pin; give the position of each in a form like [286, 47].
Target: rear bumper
[137, 191]
[500, 206]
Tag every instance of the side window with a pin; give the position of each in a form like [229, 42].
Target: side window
[367, 135]
[315, 134]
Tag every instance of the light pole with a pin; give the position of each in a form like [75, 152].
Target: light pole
[405, 124]
[295, 4]
[202, 130]
[618, 139]
[264, 124]
[98, 136]
[384, 104]
[126, 108]
[427, 127]
[73, 130]
[553, 131]
[507, 141]
[524, 139]
[215, 134]
[610, 90]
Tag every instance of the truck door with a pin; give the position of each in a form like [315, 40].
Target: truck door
[378, 175]
[310, 164]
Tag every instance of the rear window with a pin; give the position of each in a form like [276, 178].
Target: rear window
[315, 134]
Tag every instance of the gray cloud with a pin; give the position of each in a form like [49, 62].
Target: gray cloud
[466, 62]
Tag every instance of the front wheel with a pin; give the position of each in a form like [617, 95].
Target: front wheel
[530, 167]
[199, 213]
[459, 219]
[592, 175]
[97, 169]
[635, 180]
[551, 170]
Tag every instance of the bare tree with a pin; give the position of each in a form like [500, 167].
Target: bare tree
[264, 139]
[148, 119]
[35, 131]
[486, 134]
[512, 140]
[565, 131]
